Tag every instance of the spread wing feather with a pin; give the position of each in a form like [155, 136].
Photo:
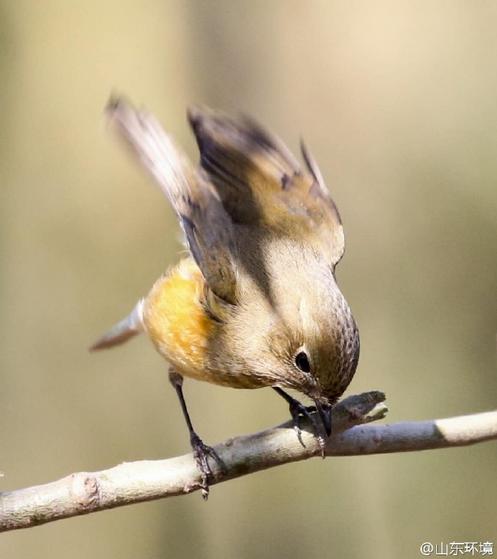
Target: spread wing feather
[262, 184]
[207, 226]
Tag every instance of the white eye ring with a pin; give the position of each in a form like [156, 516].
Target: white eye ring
[302, 361]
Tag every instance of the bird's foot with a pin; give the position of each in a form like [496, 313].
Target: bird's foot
[298, 411]
[201, 453]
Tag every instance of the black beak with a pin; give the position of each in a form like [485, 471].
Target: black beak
[324, 411]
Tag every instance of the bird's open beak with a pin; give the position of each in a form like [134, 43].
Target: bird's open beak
[324, 411]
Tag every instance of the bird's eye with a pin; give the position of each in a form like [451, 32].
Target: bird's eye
[302, 362]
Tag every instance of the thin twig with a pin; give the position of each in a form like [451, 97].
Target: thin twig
[83, 493]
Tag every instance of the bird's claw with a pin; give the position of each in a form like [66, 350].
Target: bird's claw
[201, 453]
[298, 411]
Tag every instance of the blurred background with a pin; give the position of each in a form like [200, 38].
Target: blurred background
[398, 102]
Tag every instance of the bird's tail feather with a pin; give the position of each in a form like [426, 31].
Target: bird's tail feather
[123, 330]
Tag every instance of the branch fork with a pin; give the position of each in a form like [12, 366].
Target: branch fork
[133, 482]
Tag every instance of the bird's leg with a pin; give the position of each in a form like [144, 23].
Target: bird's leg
[299, 411]
[201, 451]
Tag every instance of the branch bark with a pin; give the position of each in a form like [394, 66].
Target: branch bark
[127, 483]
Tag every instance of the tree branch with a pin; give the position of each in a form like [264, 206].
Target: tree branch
[84, 492]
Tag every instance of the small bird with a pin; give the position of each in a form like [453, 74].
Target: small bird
[255, 303]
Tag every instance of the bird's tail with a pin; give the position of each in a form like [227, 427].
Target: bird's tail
[123, 330]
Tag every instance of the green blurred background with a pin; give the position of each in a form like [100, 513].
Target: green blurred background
[398, 102]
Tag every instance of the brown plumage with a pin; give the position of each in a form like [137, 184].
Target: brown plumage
[256, 304]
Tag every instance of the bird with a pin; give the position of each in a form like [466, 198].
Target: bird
[255, 303]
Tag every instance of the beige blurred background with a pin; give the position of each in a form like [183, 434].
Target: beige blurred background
[398, 102]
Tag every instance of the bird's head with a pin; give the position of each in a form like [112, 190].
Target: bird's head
[304, 336]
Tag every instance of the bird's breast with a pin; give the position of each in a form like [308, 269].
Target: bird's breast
[176, 320]
[185, 333]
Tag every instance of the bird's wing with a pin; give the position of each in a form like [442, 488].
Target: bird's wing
[207, 226]
[262, 184]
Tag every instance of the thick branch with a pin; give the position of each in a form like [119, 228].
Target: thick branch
[82, 493]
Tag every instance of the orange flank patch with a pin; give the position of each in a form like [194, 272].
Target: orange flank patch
[176, 321]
